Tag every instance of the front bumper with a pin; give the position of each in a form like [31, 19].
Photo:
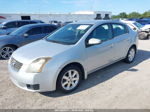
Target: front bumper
[34, 82]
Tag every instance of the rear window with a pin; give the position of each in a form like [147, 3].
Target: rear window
[48, 29]
[32, 22]
[119, 29]
[22, 23]
[11, 25]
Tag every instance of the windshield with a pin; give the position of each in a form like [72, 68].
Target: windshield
[138, 25]
[19, 31]
[69, 34]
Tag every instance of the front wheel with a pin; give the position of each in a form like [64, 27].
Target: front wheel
[6, 52]
[131, 55]
[69, 79]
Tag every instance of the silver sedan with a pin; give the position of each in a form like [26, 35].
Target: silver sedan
[63, 59]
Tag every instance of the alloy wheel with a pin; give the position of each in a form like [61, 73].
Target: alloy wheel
[131, 55]
[6, 52]
[70, 79]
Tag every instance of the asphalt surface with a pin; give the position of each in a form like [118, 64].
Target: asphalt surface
[119, 86]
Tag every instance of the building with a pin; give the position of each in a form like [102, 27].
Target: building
[75, 16]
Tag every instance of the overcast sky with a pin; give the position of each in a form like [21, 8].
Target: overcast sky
[65, 6]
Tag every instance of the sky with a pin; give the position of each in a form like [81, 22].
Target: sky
[66, 6]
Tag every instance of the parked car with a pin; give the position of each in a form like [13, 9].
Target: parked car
[57, 23]
[24, 35]
[133, 19]
[143, 21]
[67, 22]
[143, 31]
[10, 26]
[63, 59]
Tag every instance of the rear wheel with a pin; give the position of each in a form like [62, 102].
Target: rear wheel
[6, 51]
[69, 79]
[131, 55]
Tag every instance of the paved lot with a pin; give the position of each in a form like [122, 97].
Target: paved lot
[117, 86]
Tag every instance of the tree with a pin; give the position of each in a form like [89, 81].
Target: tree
[123, 15]
[146, 14]
[115, 17]
[134, 15]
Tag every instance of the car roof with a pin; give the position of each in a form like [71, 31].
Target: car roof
[97, 22]
[127, 21]
[37, 25]
[21, 21]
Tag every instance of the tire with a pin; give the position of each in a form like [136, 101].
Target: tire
[148, 37]
[67, 80]
[131, 55]
[6, 52]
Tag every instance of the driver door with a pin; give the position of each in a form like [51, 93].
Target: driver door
[34, 34]
[102, 54]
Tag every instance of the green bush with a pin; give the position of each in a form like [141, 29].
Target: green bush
[124, 15]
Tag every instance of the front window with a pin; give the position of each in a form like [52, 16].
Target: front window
[19, 31]
[69, 34]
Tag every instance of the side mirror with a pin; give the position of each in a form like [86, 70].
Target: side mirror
[94, 41]
[25, 35]
[134, 29]
[7, 33]
[3, 27]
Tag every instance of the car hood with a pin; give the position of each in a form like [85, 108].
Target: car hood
[38, 49]
[145, 27]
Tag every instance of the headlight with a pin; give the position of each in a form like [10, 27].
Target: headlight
[37, 65]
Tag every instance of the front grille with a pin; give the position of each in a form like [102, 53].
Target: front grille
[16, 65]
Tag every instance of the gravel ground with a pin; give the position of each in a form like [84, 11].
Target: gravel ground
[118, 86]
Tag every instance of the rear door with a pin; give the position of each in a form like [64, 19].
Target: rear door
[122, 40]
